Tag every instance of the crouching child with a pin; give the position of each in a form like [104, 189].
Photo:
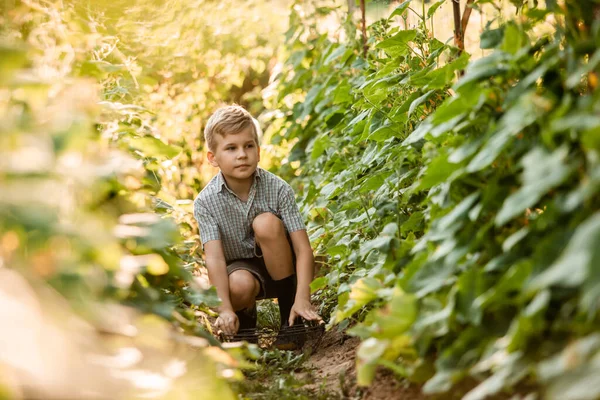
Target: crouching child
[254, 238]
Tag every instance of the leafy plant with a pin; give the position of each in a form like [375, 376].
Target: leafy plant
[281, 374]
[460, 226]
[102, 106]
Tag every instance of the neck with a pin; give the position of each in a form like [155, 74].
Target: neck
[240, 187]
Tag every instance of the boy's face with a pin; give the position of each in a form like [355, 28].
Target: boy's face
[237, 155]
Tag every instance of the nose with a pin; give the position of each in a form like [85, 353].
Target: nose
[242, 153]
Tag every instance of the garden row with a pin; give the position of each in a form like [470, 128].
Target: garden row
[459, 218]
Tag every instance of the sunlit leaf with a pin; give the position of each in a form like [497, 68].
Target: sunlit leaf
[433, 8]
[318, 284]
[366, 359]
[397, 45]
[400, 9]
[153, 147]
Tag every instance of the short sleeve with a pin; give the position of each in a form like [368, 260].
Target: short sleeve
[288, 209]
[209, 230]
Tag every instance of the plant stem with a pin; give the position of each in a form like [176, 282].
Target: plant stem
[458, 41]
[364, 27]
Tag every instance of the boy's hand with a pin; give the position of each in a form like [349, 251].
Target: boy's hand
[303, 308]
[228, 322]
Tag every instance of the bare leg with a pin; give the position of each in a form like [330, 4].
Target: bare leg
[270, 234]
[243, 289]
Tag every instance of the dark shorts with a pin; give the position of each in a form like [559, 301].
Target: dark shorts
[256, 266]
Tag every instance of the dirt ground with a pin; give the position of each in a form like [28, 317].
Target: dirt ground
[333, 366]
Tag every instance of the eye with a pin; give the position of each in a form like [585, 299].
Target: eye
[251, 145]
[229, 148]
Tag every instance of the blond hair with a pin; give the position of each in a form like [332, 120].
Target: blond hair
[226, 121]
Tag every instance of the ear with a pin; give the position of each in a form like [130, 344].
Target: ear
[211, 159]
[258, 149]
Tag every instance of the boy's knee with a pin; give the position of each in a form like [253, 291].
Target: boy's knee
[267, 226]
[243, 289]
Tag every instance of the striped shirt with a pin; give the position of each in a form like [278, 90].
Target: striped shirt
[221, 215]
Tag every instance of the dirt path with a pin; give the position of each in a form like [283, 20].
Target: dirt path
[333, 365]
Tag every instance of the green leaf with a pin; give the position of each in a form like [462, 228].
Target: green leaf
[513, 280]
[381, 242]
[431, 277]
[438, 170]
[453, 220]
[385, 132]
[440, 382]
[514, 239]
[397, 45]
[542, 171]
[318, 284]
[156, 265]
[572, 356]
[491, 38]
[376, 91]
[407, 103]
[100, 69]
[397, 316]
[11, 59]
[342, 93]
[400, 9]
[573, 266]
[417, 102]
[419, 133]
[529, 323]
[512, 368]
[493, 65]
[470, 285]
[465, 100]
[517, 118]
[573, 373]
[444, 76]
[364, 290]
[434, 7]
[367, 355]
[335, 54]
[330, 190]
[145, 231]
[514, 39]
[413, 223]
[153, 147]
[434, 315]
[200, 297]
[319, 146]
[374, 182]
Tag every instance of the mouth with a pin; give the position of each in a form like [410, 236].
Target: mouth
[243, 166]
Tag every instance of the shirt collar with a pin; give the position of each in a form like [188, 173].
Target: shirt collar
[222, 184]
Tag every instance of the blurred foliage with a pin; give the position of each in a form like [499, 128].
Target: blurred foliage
[457, 219]
[102, 106]
[283, 375]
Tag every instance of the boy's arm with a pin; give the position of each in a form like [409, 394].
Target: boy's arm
[304, 272]
[217, 273]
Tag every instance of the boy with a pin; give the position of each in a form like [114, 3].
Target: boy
[253, 235]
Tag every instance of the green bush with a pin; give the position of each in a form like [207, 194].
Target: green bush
[102, 105]
[458, 218]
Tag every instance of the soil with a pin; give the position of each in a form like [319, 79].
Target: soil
[333, 368]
